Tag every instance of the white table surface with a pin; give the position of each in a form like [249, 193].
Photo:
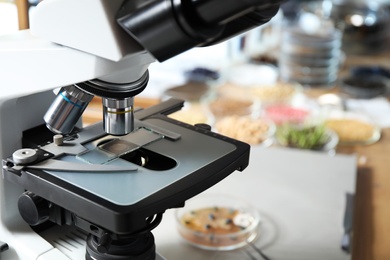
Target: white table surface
[301, 197]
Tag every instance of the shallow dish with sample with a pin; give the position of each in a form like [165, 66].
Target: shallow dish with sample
[284, 113]
[226, 106]
[353, 131]
[312, 137]
[248, 129]
[193, 113]
[278, 92]
[218, 222]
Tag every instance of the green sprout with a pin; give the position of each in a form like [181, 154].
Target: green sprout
[304, 137]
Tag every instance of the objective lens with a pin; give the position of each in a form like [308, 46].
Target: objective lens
[118, 116]
[66, 109]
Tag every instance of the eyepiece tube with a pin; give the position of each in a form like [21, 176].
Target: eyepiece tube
[118, 115]
[166, 28]
[66, 109]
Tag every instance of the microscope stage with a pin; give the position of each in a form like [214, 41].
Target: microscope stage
[168, 161]
[191, 153]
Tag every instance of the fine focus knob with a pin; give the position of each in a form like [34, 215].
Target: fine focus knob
[33, 209]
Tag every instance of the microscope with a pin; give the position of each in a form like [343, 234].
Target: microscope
[101, 189]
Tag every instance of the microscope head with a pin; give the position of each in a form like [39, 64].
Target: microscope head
[125, 30]
[118, 73]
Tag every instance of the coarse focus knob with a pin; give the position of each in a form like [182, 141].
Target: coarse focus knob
[33, 209]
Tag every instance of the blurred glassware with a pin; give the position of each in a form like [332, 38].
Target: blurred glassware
[291, 10]
[310, 51]
[201, 74]
[365, 86]
[259, 44]
[198, 82]
[370, 70]
[365, 25]
[251, 74]
[310, 58]
[331, 101]
[262, 44]
[190, 91]
[234, 112]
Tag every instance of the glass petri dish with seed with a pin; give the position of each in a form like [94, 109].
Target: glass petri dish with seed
[218, 222]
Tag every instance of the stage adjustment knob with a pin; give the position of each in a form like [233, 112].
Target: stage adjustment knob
[33, 209]
[204, 126]
[3, 247]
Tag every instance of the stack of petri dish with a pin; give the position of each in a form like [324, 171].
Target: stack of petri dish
[310, 58]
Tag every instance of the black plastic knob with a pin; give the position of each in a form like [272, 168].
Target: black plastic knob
[33, 209]
[104, 243]
[204, 126]
[3, 246]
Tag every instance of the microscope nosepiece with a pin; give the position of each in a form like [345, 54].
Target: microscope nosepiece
[66, 109]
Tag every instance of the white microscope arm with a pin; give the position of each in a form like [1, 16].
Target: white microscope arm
[70, 41]
[109, 46]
